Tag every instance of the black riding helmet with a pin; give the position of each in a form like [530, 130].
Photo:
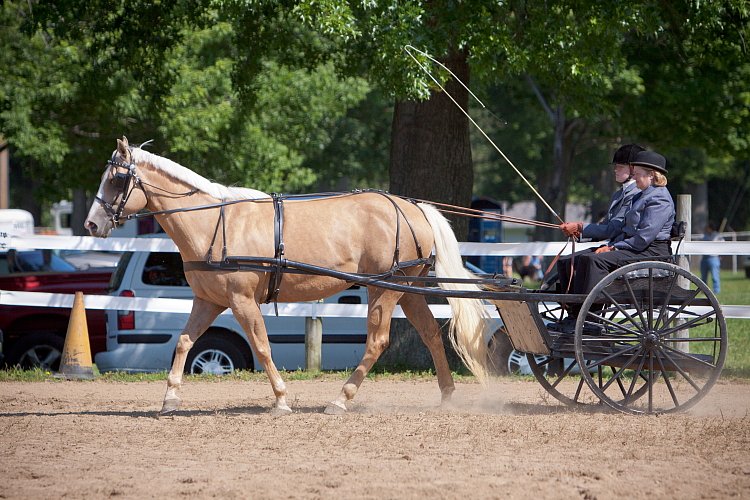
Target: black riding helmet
[626, 154]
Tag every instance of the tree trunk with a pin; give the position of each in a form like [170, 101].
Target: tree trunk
[430, 147]
[699, 194]
[80, 210]
[554, 184]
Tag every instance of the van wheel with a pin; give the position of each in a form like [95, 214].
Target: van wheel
[217, 354]
[37, 350]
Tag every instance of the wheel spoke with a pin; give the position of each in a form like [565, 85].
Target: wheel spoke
[616, 375]
[614, 324]
[638, 372]
[682, 307]
[578, 390]
[688, 324]
[650, 298]
[622, 310]
[622, 370]
[666, 300]
[565, 373]
[33, 357]
[666, 380]
[685, 355]
[635, 302]
[679, 368]
[650, 382]
[604, 361]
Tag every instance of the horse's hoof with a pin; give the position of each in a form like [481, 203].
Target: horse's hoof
[277, 411]
[335, 408]
[169, 407]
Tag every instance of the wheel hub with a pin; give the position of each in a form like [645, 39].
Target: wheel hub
[651, 340]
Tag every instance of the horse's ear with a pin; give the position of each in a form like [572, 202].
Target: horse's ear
[122, 146]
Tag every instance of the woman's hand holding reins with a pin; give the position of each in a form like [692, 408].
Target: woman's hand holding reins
[572, 229]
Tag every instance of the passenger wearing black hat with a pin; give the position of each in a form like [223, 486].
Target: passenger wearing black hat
[645, 230]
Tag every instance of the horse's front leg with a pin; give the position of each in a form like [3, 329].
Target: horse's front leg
[202, 315]
[247, 311]
[380, 309]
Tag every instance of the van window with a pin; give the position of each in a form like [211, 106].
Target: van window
[164, 269]
[116, 280]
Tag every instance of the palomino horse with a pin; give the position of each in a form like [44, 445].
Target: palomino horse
[353, 233]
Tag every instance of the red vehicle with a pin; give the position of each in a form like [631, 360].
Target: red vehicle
[34, 336]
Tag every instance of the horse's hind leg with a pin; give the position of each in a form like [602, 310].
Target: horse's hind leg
[247, 312]
[201, 316]
[380, 309]
[418, 313]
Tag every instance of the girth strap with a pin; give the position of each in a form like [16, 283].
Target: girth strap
[274, 282]
[399, 213]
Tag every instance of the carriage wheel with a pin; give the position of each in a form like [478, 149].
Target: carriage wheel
[660, 329]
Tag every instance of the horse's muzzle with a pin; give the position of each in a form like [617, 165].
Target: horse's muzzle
[95, 230]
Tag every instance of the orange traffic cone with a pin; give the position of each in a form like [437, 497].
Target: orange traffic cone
[76, 357]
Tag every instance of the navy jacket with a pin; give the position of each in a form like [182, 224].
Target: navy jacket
[649, 219]
[618, 206]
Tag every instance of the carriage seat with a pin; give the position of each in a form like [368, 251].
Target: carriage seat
[679, 228]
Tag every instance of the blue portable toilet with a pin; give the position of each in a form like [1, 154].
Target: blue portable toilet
[486, 231]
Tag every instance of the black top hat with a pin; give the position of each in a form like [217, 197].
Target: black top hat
[652, 160]
[626, 154]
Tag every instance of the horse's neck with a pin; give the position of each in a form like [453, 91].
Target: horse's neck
[190, 231]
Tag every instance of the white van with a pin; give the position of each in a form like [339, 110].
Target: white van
[145, 342]
[16, 222]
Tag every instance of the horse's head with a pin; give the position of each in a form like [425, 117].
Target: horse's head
[120, 193]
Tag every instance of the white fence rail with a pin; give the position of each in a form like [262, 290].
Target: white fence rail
[467, 248]
[87, 243]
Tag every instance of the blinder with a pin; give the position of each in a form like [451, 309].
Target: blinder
[120, 180]
[122, 183]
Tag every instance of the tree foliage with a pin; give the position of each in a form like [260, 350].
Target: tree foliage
[291, 94]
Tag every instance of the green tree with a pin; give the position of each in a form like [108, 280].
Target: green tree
[105, 81]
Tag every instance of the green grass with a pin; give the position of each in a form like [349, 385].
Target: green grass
[37, 375]
[735, 290]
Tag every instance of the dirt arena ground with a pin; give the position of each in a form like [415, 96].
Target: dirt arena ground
[100, 439]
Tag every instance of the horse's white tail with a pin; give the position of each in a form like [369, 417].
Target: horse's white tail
[469, 322]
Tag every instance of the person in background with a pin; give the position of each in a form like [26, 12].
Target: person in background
[508, 267]
[645, 232]
[711, 263]
[612, 222]
[531, 268]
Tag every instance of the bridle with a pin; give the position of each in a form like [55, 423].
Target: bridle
[124, 184]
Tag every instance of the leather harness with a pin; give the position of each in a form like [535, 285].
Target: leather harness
[279, 265]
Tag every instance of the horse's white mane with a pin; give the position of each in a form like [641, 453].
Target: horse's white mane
[199, 182]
